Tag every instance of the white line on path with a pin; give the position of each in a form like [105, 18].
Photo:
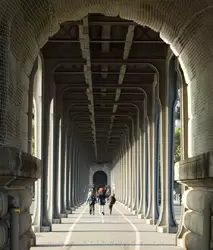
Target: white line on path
[69, 234]
[137, 247]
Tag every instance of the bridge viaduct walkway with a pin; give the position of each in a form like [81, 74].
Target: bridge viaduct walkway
[121, 230]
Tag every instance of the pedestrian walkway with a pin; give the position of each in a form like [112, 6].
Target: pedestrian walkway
[120, 231]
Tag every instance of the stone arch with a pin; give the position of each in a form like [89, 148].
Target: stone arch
[180, 28]
[106, 168]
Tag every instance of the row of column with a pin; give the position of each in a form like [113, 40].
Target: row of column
[146, 152]
[60, 190]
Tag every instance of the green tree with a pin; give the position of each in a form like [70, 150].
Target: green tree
[177, 153]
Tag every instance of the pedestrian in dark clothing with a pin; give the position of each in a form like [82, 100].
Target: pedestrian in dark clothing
[101, 200]
[112, 201]
[92, 200]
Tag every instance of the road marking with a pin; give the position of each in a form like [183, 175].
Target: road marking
[137, 243]
[102, 218]
[69, 234]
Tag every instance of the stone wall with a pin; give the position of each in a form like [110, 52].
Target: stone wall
[197, 174]
[18, 171]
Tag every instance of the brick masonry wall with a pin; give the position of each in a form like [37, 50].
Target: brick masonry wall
[185, 24]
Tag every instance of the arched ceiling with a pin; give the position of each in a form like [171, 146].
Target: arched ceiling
[106, 68]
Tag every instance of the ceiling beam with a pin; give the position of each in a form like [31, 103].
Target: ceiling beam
[85, 48]
[127, 48]
[106, 41]
[101, 72]
[96, 61]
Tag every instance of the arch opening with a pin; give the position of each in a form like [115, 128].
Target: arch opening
[99, 179]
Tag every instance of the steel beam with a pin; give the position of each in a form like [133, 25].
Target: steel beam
[85, 48]
[107, 41]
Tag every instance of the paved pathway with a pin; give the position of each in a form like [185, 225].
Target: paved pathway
[119, 231]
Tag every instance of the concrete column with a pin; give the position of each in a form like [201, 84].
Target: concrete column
[75, 178]
[78, 179]
[56, 215]
[63, 212]
[37, 83]
[72, 151]
[62, 170]
[141, 162]
[116, 179]
[150, 218]
[67, 171]
[157, 159]
[124, 172]
[152, 213]
[166, 222]
[130, 175]
[134, 175]
[121, 175]
[141, 175]
[121, 172]
[72, 174]
[127, 173]
[46, 101]
[138, 174]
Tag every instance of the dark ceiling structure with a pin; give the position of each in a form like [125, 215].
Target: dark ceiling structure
[105, 69]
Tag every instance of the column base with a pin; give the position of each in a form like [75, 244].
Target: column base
[149, 221]
[180, 243]
[134, 212]
[73, 208]
[140, 216]
[69, 211]
[32, 242]
[45, 229]
[36, 228]
[64, 216]
[32, 238]
[129, 209]
[56, 221]
[165, 229]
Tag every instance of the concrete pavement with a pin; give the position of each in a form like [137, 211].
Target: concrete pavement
[120, 231]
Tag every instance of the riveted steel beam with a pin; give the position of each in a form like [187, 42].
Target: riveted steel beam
[85, 48]
[106, 41]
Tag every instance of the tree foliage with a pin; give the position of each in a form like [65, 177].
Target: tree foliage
[177, 150]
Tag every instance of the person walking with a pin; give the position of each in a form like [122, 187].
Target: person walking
[112, 201]
[91, 200]
[101, 200]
